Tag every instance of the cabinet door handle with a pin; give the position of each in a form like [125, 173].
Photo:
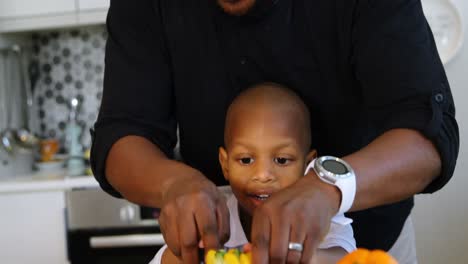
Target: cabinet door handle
[127, 241]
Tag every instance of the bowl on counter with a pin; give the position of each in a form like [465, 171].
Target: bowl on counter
[53, 168]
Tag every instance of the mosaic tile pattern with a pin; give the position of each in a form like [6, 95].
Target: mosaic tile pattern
[67, 64]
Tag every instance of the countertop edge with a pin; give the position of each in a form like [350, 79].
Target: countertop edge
[47, 185]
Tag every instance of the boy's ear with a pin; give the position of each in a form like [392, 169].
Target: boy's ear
[312, 155]
[223, 161]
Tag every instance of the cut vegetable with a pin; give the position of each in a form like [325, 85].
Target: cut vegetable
[232, 256]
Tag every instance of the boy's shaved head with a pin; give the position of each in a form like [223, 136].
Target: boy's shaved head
[275, 101]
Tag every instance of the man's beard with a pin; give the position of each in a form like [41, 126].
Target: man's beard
[236, 7]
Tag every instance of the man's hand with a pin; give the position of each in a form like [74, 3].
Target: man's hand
[193, 210]
[301, 214]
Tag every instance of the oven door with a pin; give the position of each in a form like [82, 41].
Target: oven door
[104, 229]
[114, 246]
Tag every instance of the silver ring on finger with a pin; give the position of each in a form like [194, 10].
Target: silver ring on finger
[295, 246]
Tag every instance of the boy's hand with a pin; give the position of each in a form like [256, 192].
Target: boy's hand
[300, 214]
[193, 209]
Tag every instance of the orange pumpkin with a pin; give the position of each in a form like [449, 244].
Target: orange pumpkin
[364, 256]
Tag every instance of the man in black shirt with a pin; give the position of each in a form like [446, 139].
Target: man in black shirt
[368, 70]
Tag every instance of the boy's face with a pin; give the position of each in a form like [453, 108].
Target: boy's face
[266, 152]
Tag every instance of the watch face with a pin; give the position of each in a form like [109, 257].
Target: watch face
[334, 166]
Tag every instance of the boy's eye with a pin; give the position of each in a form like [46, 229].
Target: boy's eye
[246, 161]
[282, 160]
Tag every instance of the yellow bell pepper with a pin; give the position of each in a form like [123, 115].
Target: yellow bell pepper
[232, 256]
[210, 256]
[246, 258]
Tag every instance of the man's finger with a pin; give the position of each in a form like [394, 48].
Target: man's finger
[297, 235]
[310, 245]
[280, 228]
[222, 216]
[188, 238]
[170, 232]
[260, 237]
[208, 228]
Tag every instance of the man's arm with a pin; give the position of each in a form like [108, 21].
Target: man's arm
[395, 166]
[142, 173]
[407, 99]
[137, 96]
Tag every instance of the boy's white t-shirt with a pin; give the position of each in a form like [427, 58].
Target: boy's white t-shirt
[339, 235]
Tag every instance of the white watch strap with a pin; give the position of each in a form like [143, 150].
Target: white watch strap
[347, 186]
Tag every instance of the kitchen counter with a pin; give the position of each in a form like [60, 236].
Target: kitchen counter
[34, 219]
[34, 183]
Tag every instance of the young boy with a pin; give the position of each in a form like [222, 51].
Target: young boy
[267, 148]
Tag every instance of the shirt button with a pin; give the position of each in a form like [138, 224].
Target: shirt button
[439, 97]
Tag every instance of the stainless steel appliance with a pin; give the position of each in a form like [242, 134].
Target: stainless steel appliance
[103, 229]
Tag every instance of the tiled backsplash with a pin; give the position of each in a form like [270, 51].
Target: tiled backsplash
[70, 63]
[64, 64]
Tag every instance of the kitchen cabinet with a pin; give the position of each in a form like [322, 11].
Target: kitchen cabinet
[21, 15]
[32, 228]
[29, 15]
[22, 8]
[92, 11]
[93, 4]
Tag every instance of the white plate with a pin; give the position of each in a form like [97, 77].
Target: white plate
[447, 26]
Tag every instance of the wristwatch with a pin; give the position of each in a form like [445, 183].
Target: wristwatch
[338, 172]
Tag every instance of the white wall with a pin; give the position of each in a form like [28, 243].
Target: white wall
[441, 219]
